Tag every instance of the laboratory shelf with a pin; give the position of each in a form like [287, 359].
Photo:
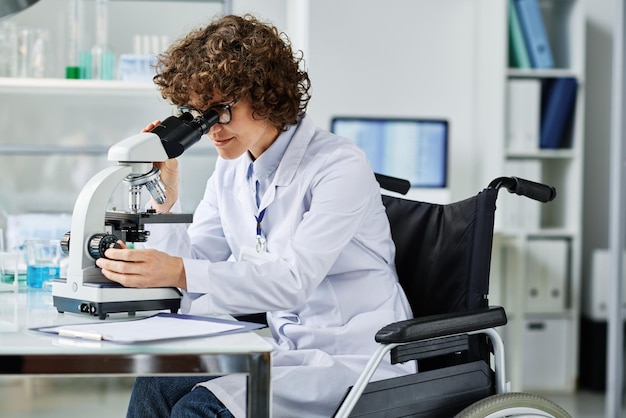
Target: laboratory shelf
[541, 73]
[72, 87]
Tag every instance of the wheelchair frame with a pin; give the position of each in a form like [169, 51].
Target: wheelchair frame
[454, 328]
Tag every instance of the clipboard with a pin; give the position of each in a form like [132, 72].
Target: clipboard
[159, 327]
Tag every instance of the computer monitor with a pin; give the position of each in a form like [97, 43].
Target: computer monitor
[411, 149]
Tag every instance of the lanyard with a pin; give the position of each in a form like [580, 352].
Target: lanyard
[260, 239]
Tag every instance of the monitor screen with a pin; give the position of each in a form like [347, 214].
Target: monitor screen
[411, 149]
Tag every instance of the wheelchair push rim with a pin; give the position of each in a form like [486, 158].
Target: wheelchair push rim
[514, 405]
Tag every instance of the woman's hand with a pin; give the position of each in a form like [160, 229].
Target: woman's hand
[169, 177]
[142, 268]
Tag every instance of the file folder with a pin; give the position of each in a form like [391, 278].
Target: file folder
[518, 54]
[537, 44]
[523, 114]
[558, 112]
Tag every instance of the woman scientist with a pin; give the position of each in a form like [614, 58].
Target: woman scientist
[299, 210]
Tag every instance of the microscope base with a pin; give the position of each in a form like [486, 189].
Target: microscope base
[102, 308]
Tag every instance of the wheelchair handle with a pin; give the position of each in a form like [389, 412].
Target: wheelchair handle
[537, 191]
[393, 184]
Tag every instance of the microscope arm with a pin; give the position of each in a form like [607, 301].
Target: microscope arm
[142, 147]
[88, 219]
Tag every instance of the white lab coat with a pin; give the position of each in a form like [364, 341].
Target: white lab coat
[332, 287]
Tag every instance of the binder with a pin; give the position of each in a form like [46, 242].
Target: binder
[558, 107]
[547, 261]
[523, 114]
[518, 55]
[158, 327]
[533, 28]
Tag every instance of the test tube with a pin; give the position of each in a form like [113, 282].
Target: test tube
[75, 22]
[101, 56]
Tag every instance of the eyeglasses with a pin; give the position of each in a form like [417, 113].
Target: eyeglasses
[224, 111]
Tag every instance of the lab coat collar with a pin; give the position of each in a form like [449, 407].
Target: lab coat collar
[265, 166]
[301, 135]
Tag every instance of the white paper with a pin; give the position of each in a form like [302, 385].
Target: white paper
[147, 329]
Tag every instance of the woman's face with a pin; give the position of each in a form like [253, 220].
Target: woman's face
[243, 133]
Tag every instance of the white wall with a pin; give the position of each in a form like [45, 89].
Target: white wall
[274, 11]
[407, 58]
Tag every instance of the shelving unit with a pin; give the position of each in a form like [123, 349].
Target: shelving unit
[56, 132]
[61, 93]
[536, 274]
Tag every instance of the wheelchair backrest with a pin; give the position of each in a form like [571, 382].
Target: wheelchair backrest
[443, 252]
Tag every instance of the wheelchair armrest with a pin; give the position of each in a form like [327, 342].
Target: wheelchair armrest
[434, 326]
[257, 318]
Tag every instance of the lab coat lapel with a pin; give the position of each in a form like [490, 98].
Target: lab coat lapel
[295, 152]
[288, 165]
[291, 160]
[241, 185]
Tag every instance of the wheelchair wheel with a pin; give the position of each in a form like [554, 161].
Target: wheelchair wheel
[513, 404]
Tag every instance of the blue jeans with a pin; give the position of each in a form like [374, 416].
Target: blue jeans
[172, 397]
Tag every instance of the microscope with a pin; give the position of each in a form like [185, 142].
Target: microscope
[94, 229]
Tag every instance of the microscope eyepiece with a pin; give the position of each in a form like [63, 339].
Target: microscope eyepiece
[178, 133]
[210, 118]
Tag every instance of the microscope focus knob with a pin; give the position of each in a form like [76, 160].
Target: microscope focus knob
[65, 244]
[99, 243]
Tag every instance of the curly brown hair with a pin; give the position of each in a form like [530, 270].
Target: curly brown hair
[237, 57]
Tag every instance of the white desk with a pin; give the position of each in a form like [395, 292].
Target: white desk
[26, 352]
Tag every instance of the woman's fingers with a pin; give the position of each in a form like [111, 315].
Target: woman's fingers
[151, 126]
[142, 268]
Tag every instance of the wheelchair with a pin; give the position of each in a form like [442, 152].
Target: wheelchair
[443, 257]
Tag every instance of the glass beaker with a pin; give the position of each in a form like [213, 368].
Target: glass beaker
[43, 261]
[8, 49]
[9, 275]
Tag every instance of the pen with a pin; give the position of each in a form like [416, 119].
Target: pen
[80, 334]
